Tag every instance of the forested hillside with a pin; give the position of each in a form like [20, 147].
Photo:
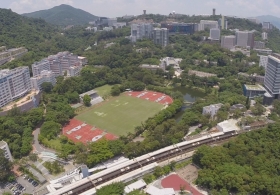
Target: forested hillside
[63, 15]
[247, 165]
[18, 31]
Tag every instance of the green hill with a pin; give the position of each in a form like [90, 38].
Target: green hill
[63, 15]
[272, 19]
[19, 31]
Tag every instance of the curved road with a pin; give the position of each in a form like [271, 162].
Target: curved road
[36, 146]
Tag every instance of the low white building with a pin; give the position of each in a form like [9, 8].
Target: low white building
[228, 126]
[211, 109]
[45, 76]
[138, 185]
[4, 146]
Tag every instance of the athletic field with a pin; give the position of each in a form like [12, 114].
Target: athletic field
[121, 114]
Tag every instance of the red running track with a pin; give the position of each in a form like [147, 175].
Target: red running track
[152, 96]
[175, 182]
[86, 133]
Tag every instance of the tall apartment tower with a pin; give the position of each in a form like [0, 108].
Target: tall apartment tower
[272, 75]
[14, 84]
[245, 39]
[4, 146]
[214, 11]
[144, 12]
[223, 23]
[215, 34]
[140, 31]
[228, 42]
[161, 36]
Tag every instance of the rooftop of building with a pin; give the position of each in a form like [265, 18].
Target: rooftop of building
[3, 143]
[229, 125]
[21, 101]
[219, 105]
[88, 93]
[135, 186]
[254, 87]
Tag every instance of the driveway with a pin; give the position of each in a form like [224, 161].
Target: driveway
[37, 147]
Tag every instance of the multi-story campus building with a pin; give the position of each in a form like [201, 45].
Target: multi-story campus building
[140, 31]
[4, 146]
[259, 45]
[10, 54]
[38, 67]
[264, 36]
[14, 84]
[59, 64]
[45, 76]
[215, 34]
[263, 61]
[161, 36]
[272, 75]
[266, 25]
[245, 39]
[180, 28]
[207, 24]
[228, 42]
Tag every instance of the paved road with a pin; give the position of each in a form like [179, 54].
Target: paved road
[36, 144]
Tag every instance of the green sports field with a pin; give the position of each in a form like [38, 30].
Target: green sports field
[120, 115]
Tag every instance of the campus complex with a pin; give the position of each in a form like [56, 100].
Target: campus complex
[16, 83]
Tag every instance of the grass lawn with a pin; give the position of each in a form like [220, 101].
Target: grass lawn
[120, 115]
[103, 90]
[54, 144]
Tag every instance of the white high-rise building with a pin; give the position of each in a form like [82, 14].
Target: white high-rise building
[7, 153]
[140, 31]
[207, 24]
[161, 36]
[215, 34]
[14, 84]
[264, 36]
[228, 42]
[223, 23]
[263, 61]
[38, 67]
[272, 75]
[245, 39]
[45, 76]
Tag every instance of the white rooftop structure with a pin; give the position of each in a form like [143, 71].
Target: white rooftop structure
[228, 126]
[211, 109]
[4, 146]
[140, 184]
[152, 190]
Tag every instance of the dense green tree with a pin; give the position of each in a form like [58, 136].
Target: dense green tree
[47, 87]
[5, 167]
[86, 100]
[115, 90]
[114, 189]
[50, 130]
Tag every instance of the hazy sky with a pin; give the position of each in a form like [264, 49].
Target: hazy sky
[113, 8]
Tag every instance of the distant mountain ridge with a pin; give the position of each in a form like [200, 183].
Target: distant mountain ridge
[269, 18]
[63, 15]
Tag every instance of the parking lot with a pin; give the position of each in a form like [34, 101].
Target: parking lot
[20, 186]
